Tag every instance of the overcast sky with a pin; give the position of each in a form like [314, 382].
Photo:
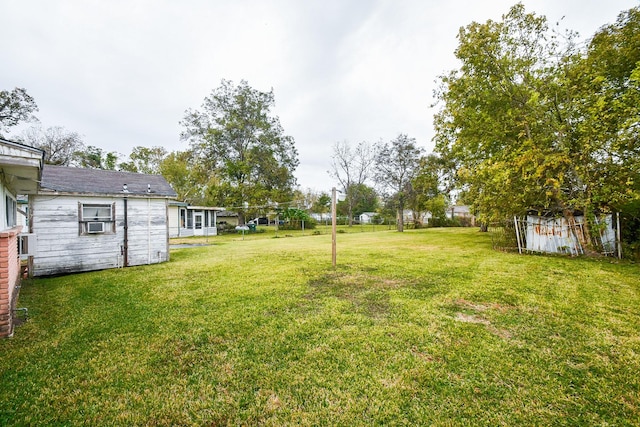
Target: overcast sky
[122, 73]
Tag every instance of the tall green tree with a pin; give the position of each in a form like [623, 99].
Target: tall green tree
[533, 122]
[359, 198]
[426, 192]
[499, 121]
[237, 139]
[16, 106]
[93, 157]
[186, 176]
[606, 134]
[322, 203]
[144, 160]
[396, 164]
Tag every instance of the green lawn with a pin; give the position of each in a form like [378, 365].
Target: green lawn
[426, 327]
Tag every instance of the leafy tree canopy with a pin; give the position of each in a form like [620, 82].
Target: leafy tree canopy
[235, 138]
[144, 160]
[426, 192]
[396, 164]
[322, 204]
[363, 198]
[15, 106]
[530, 121]
[93, 157]
[186, 176]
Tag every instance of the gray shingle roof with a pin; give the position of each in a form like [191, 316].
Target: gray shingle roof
[64, 179]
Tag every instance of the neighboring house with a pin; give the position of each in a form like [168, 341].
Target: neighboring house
[228, 218]
[186, 220]
[20, 169]
[92, 219]
[462, 213]
[366, 217]
[423, 217]
[321, 217]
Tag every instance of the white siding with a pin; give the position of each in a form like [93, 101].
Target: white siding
[62, 249]
[174, 221]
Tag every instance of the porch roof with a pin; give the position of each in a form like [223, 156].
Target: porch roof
[21, 166]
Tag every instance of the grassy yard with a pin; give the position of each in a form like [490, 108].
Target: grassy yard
[427, 327]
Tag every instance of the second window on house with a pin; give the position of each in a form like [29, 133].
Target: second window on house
[97, 218]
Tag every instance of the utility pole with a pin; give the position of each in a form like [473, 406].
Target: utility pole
[333, 227]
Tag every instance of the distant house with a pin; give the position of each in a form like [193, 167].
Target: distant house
[227, 218]
[186, 220]
[463, 214]
[321, 217]
[366, 217]
[409, 216]
[20, 169]
[89, 219]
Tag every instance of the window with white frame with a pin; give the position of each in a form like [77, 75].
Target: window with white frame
[97, 218]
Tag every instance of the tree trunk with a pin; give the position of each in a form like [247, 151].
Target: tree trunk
[400, 219]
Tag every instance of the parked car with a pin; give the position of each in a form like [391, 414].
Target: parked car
[260, 221]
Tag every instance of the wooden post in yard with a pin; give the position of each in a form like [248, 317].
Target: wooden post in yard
[333, 227]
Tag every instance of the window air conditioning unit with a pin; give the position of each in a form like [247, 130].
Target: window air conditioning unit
[27, 244]
[95, 227]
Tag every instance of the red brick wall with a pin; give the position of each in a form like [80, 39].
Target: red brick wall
[9, 277]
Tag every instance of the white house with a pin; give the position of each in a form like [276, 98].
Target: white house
[186, 220]
[20, 169]
[321, 217]
[366, 217]
[90, 219]
[409, 216]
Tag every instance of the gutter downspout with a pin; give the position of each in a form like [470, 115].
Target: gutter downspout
[126, 235]
[148, 230]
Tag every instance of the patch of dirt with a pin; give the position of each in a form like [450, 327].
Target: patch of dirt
[470, 318]
[367, 293]
[461, 302]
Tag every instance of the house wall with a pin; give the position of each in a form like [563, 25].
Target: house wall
[61, 248]
[230, 220]
[174, 221]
